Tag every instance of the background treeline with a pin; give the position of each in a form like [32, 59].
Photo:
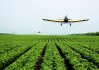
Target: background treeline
[6, 34]
[83, 34]
[88, 34]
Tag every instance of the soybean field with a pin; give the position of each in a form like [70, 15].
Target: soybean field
[46, 52]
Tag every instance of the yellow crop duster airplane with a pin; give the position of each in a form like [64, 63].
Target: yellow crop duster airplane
[66, 20]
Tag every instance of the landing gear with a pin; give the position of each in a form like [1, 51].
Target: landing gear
[70, 24]
[61, 24]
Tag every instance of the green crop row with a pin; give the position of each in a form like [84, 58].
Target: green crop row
[94, 46]
[10, 56]
[52, 59]
[28, 60]
[86, 53]
[75, 58]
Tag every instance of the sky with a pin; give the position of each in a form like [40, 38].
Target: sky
[25, 16]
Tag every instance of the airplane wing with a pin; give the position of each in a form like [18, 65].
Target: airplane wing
[53, 20]
[71, 21]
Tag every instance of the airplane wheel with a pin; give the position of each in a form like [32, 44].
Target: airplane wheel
[61, 24]
[70, 24]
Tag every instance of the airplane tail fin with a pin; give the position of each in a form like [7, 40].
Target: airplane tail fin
[66, 19]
